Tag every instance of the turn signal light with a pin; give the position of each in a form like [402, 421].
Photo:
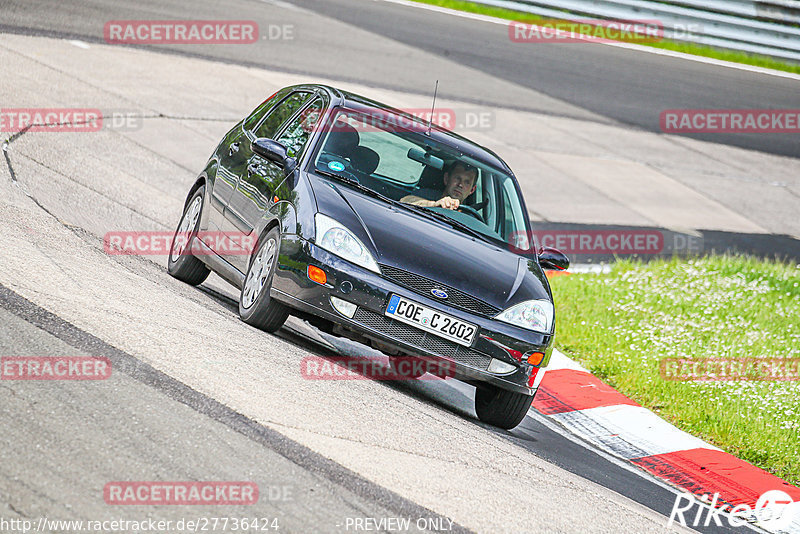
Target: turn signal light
[315, 274]
[534, 358]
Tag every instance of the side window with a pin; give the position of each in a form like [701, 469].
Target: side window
[277, 116]
[252, 120]
[296, 135]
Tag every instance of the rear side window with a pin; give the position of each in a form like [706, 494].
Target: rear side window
[255, 117]
[270, 125]
[296, 135]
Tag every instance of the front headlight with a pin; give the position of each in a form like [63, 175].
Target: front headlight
[334, 237]
[536, 315]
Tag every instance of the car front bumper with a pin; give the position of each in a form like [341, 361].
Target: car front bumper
[371, 292]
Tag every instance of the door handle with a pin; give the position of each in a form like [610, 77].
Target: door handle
[233, 148]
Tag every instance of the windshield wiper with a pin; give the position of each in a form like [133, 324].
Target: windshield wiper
[358, 185]
[413, 207]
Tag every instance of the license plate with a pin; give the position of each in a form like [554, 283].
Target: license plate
[430, 320]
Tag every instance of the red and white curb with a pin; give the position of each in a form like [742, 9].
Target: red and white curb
[611, 422]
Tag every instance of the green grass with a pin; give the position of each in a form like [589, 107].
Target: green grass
[621, 324]
[678, 46]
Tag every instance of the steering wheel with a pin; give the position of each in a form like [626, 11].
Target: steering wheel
[472, 211]
[479, 205]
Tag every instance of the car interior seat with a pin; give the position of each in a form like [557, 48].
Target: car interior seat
[431, 178]
[342, 141]
[364, 160]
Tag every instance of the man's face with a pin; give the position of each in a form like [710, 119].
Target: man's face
[459, 183]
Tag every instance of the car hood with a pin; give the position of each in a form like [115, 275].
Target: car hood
[406, 240]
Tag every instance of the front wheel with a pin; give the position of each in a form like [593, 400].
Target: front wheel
[500, 407]
[256, 307]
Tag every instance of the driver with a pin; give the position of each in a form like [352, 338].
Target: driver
[459, 183]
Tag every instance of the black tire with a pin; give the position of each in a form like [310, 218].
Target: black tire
[407, 367]
[263, 312]
[500, 407]
[184, 266]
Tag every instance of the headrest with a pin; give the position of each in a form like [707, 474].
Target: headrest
[431, 178]
[364, 159]
[343, 139]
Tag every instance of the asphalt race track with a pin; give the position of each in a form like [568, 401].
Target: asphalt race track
[603, 82]
[196, 394]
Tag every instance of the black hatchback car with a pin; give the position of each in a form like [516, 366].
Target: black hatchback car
[340, 196]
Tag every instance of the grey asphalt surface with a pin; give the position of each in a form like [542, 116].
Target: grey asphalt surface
[574, 80]
[420, 440]
[65, 440]
[623, 85]
[532, 435]
[62, 441]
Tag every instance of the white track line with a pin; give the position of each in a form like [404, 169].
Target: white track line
[556, 427]
[590, 268]
[559, 361]
[629, 431]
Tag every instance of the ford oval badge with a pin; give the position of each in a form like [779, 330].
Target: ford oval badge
[438, 293]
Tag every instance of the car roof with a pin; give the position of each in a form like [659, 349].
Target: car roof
[357, 102]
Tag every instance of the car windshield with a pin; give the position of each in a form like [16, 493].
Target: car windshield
[391, 155]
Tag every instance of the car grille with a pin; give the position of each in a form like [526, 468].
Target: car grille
[423, 286]
[421, 339]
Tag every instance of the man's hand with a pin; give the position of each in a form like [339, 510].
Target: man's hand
[418, 201]
[449, 203]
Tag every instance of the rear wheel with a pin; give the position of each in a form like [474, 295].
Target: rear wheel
[181, 263]
[256, 307]
[500, 407]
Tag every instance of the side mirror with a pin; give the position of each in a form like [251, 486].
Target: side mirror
[551, 258]
[273, 151]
